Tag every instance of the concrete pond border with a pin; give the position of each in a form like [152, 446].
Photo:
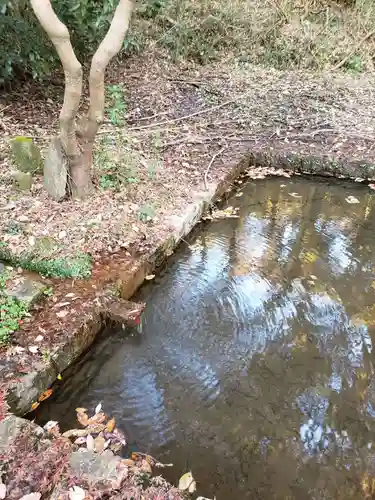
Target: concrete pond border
[26, 390]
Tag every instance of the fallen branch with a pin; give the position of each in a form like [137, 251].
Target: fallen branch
[185, 117]
[210, 164]
[343, 61]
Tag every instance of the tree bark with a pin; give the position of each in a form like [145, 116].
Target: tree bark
[110, 46]
[59, 36]
[79, 150]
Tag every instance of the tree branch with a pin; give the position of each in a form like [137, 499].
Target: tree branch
[109, 47]
[59, 36]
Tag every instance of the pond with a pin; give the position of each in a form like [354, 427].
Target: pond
[253, 366]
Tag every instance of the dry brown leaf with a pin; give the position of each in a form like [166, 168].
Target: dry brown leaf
[97, 419]
[111, 424]
[3, 491]
[99, 444]
[146, 467]
[82, 418]
[62, 314]
[90, 442]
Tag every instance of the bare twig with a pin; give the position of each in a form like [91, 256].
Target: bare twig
[359, 44]
[185, 117]
[210, 164]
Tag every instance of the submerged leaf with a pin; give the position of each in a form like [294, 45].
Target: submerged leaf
[45, 395]
[351, 199]
[187, 482]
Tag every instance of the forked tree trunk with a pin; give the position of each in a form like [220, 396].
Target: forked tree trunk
[78, 145]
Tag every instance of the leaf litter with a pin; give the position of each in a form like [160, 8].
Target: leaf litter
[44, 465]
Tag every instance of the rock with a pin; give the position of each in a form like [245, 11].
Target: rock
[22, 180]
[13, 426]
[55, 170]
[93, 467]
[26, 155]
[26, 290]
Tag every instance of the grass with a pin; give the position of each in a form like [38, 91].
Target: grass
[79, 266]
[12, 311]
[286, 34]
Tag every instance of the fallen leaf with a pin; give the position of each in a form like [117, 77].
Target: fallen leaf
[45, 395]
[39, 338]
[98, 408]
[50, 425]
[59, 377]
[90, 443]
[82, 417]
[31, 496]
[80, 440]
[99, 444]
[97, 419]
[187, 482]
[128, 462]
[33, 349]
[371, 186]
[62, 304]
[62, 314]
[150, 277]
[295, 195]
[70, 295]
[34, 405]
[146, 467]
[351, 199]
[111, 424]
[76, 493]
[3, 491]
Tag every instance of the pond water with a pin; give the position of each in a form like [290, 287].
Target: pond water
[254, 365]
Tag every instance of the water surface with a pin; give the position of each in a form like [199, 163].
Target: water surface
[254, 366]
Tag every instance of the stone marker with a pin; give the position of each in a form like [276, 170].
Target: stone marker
[22, 180]
[55, 170]
[26, 155]
[26, 290]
